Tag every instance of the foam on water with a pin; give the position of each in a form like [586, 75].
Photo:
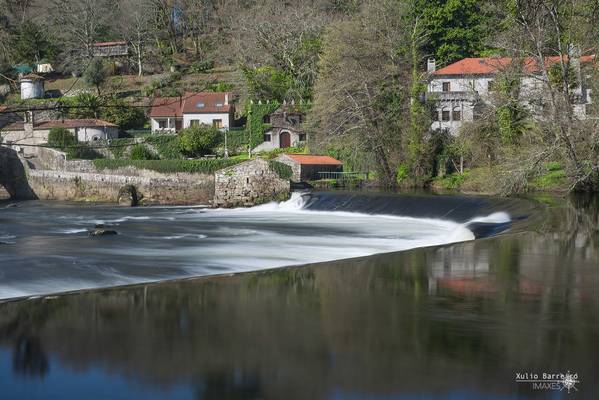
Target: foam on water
[165, 243]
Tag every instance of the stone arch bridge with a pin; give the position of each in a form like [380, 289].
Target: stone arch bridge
[13, 176]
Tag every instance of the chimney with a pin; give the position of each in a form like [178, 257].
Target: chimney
[431, 65]
[226, 99]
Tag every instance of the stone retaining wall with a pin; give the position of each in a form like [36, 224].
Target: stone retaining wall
[64, 185]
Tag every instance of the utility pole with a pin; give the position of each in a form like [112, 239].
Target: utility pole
[249, 128]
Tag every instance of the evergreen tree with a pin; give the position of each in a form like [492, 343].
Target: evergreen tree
[455, 28]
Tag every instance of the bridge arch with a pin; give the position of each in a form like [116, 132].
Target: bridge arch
[12, 175]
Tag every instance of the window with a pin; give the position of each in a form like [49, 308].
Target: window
[491, 86]
[266, 137]
[200, 105]
[457, 114]
[436, 115]
[162, 124]
[194, 122]
[217, 123]
[447, 86]
[266, 119]
[445, 115]
[219, 104]
[302, 137]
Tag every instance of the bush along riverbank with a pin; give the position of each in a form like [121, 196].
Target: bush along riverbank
[551, 177]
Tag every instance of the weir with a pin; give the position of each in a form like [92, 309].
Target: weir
[162, 243]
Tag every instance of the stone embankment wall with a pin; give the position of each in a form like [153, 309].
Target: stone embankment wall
[53, 177]
[247, 184]
[65, 185]
[56, 178]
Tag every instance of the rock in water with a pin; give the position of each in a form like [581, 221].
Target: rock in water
[128, 196]
[102, 232]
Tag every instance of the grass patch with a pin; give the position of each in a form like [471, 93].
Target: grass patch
[168, 166]
[554, 178]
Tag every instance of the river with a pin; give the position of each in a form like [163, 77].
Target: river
[403, 302]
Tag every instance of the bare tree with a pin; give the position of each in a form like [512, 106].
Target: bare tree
[356, 95]
[80, 23]
[134, 24]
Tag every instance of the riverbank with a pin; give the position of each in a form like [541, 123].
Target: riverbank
[485, 180]
[456, 320]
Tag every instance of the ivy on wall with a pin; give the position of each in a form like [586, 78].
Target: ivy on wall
[284, 171]
[255, 126]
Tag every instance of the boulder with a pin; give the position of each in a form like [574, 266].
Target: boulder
[128, 196]
[102, 232]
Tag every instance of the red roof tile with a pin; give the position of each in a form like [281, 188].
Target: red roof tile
[63, 123]
[191, 103]
[167, 107]
[492, 65]
[104, 44]
[305, 159]
[206, 102]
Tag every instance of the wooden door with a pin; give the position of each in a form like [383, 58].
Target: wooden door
[284, 140]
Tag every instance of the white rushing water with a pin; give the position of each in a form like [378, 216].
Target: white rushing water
[48, 249]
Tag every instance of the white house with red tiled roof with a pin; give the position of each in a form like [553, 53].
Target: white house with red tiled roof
[32, 132]
[459, 90]
[171, 114]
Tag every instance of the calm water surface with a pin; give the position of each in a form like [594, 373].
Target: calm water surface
[451, 322]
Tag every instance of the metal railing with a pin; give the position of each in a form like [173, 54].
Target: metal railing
[343, 175]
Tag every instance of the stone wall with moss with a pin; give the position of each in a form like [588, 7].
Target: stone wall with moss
[153, 188]
[248, 184]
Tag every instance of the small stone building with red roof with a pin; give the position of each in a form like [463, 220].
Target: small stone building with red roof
[32, 132]
[306, 167]
[171, 114]
[461, 89]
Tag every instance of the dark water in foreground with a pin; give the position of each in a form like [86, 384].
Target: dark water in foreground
[456, 321]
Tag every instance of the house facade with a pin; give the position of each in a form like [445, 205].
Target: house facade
[111, 49]
[171, 114]
[284, 131]
[461, 90]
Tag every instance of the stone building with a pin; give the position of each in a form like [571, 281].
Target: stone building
[249, 183]
[111, 49]
[32, 87]
[461, 90]
[285, 129]
[307, 167]
[32, 132]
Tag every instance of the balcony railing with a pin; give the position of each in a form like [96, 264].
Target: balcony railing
[453, 96]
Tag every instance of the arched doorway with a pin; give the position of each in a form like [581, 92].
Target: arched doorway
[284, 140]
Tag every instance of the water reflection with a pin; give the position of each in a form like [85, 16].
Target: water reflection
[458, 320]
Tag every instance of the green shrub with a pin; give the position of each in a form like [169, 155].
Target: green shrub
[401, 174]
[167, 146]
[283, 170]
[199, 140]
[122, 114]
[453, 181]
[141, 152]
[61, 138]
[83, 151]
[168, 166]
[202, 66]
[119, 147]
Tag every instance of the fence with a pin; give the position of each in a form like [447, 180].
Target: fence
[343, 175]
